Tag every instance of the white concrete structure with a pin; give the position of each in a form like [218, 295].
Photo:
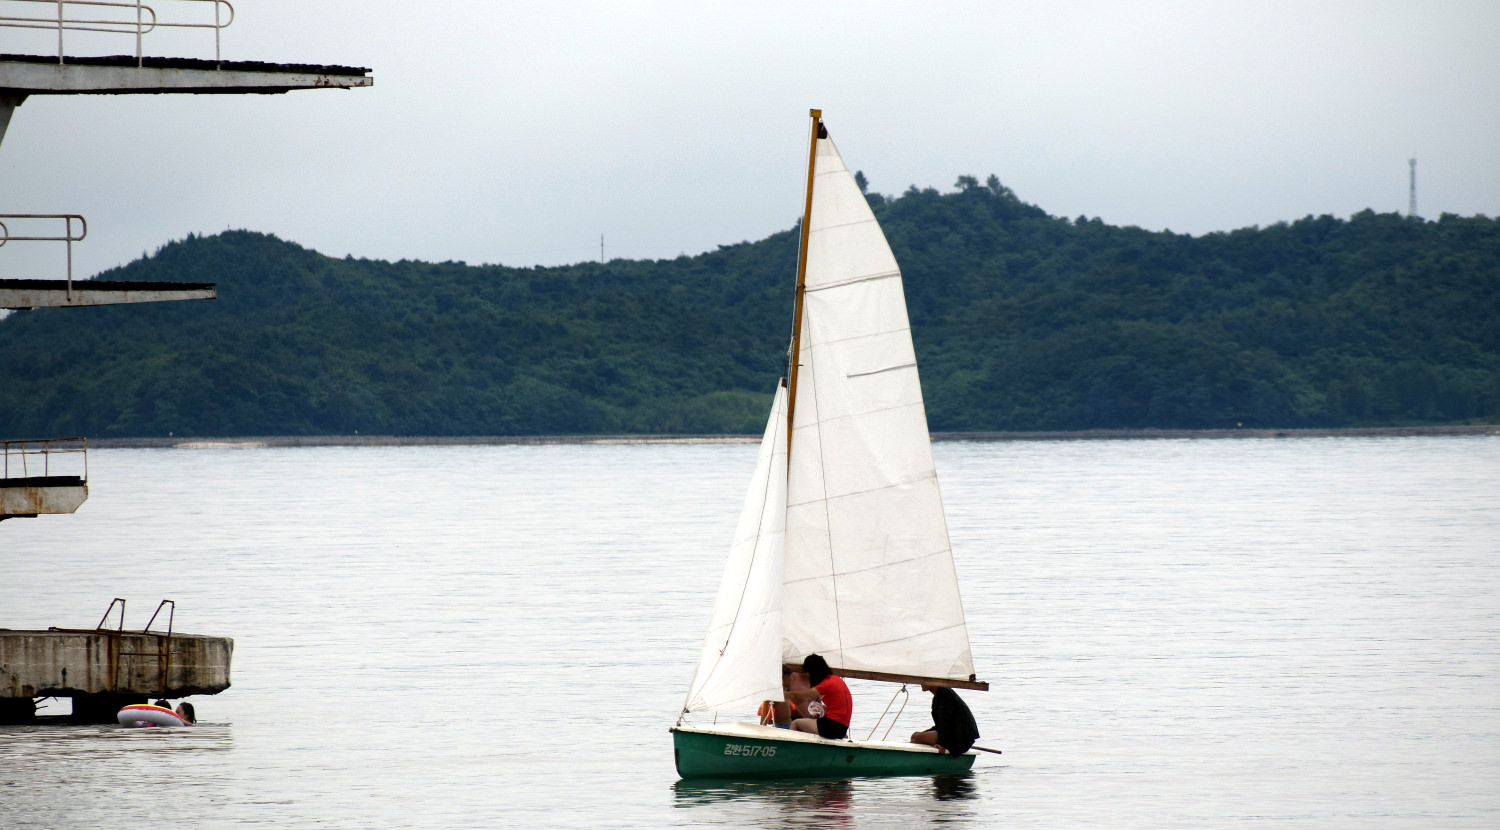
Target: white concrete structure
[30, 497]
[17, 294]
[22, 75]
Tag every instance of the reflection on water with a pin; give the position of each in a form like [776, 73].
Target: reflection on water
[860, 802]
[953, 787]
[769, 803]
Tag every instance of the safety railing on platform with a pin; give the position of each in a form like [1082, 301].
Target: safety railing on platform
[108, 16]
[68, 238]
[117, 652]
[44, 457]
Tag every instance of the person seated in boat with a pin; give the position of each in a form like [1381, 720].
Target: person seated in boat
[953, 728]
[185, 711]
[780, 713]
[829, 689]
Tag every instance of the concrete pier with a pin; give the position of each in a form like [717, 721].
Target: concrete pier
[104, 670]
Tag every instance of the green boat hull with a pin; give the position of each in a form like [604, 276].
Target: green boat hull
[741, 753]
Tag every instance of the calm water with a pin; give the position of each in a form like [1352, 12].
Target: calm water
[1272, 633]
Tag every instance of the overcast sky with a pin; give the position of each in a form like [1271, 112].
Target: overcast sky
[517, 133]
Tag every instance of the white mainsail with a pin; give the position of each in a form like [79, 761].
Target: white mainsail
[842, 547]
[740, 664]
[870, 582]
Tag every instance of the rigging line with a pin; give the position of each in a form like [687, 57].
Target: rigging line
[838, 619]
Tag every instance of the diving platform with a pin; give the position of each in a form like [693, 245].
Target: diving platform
[24, 75]
[38, 293]
[31, 497]
[32, 23]
[19, 294]
[38, 476]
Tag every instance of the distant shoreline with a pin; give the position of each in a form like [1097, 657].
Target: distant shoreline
[538, 440]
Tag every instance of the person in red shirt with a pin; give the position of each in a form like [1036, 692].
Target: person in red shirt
[838, 706]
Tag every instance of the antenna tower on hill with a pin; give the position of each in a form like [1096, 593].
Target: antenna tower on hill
[1411, 205]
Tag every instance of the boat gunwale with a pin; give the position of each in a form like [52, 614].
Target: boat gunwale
[756, 731]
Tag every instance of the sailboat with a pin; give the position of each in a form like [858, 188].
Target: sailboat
[842, 546]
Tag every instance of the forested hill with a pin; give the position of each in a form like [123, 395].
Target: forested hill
[1022, 321]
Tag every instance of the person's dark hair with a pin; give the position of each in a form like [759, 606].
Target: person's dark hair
[163, 704]
[816, 668]
[187, 709]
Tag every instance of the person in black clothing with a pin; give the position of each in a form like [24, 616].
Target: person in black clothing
[953, 728]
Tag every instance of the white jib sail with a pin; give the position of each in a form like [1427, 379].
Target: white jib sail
[740, 664]
[870, 582]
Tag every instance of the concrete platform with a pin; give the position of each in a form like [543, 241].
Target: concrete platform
[103, 670]
[30, 497]
[19, 294]
[23, 75]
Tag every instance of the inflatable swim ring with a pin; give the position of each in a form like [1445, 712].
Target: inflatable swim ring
[144, 714]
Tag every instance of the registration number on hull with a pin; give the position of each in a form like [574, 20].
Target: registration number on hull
[750, 750]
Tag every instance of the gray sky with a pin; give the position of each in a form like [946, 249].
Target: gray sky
[517, 133]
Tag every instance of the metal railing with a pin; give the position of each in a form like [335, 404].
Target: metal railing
[68, 238]
[23, 455]
[110, 17]
[163, 652]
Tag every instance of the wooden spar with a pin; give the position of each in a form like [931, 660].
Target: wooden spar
[888, 677]
[791, 391]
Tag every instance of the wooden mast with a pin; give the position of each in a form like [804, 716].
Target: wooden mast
[818, 131]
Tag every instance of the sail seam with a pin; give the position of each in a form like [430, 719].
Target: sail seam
[809, 289]
[871, 568]
[857, 337]
[914, 636]
[911, 365]
[821, 228]
[865, 412]
[895, 484]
